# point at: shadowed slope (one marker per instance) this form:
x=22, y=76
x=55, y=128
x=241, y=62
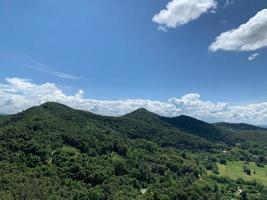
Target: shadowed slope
x=197, y=127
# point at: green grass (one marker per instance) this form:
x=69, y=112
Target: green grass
x=234, y=170
x=70, y=149
x=67, y=149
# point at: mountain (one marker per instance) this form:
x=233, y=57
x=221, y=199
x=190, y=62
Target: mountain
x=144, y=124
x=245, y=132
x=239, y=126
x=142, y=114
x=56, y=152
x=2, y=115
x=263, y=126
x=197, y=127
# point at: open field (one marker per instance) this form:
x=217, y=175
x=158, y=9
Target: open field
x=234, y=170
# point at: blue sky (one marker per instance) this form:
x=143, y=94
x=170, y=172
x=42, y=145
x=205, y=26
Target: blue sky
x=112, y=50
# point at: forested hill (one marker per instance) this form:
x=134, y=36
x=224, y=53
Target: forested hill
x=240, y=126
x=55, y=152
x=197, y=127
x=245, y=132
x=3, y=117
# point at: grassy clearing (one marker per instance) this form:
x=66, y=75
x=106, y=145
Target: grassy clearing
x=234, y=170
x=69, y=149
x=66, y=149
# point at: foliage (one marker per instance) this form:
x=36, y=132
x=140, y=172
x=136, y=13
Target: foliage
x=54, y=152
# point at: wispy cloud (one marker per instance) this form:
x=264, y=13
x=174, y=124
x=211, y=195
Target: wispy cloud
x=36, y=65
x=162, y=28
x=253, y=56
x=64, y=75
x=228, y=3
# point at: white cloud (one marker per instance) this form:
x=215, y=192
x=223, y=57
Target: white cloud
x=180, y=12
x=247, y=37
x=19, y=94
x=63, y=75
x=253, y=56
x=162, y=28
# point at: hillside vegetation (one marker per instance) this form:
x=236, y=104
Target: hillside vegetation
x=55, y=152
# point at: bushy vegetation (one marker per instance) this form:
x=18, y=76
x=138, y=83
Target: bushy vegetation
x=55, y=152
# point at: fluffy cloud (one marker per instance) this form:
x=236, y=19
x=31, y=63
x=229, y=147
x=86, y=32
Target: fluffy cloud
x=19, y=94
x=247, y=37
x=180, y=12
x=253, y=56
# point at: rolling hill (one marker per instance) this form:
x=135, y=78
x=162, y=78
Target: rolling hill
x=240, y=126
x=197, y=127
x=245, y=132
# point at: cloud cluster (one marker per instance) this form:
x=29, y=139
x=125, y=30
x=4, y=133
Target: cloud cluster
x=180, y=12
x=249, y=36
x=19, y=94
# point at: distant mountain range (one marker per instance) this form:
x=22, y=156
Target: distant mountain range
x=263, y=126
x=146, y=123
x=240, y=126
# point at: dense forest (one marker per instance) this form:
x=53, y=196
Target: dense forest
x=55, y=152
